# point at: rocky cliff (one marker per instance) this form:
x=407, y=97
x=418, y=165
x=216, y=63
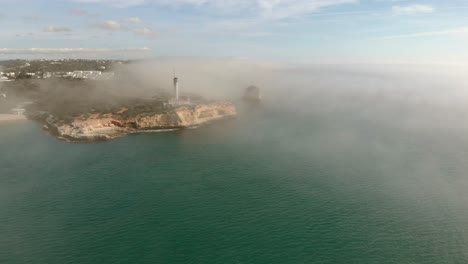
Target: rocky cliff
x=107, y=126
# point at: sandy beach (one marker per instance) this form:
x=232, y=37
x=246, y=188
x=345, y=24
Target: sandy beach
x=9, y=117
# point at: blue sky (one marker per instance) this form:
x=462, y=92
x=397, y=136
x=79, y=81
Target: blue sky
x=292, y=30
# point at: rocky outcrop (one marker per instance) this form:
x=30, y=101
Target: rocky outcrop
x=252, y=94
x=108, y=126
x=90, y=129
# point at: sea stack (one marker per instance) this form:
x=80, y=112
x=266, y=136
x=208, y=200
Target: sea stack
x=252, y=94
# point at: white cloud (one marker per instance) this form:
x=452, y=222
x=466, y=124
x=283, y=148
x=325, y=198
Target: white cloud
x=277, y=9
x=412, y=9
x=450, y=32
x=32, y=18
x=115, y=3
x=81, y=12
x=52, y=29
x=110, y=25
x=134, y=20
x=235, y=24
x=33, y=51
x=145, y=32
x=270, y=9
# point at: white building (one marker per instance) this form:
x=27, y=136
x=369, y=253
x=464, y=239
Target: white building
x=18, y=111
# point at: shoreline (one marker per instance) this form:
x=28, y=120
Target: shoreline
x=107, y=126
x=11, y=117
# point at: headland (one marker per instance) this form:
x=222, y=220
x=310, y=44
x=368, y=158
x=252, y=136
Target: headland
x=87, y=107
x=106, y=126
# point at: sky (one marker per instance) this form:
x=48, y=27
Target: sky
x=285, y=30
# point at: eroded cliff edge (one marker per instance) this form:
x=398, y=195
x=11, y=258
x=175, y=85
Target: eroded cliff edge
x=106, y=126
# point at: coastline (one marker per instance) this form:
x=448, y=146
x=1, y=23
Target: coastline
x=107, y=126
x=11, y=117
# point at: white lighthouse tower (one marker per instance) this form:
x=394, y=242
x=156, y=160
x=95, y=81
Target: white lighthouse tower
x=176, y=100
x=176, y=88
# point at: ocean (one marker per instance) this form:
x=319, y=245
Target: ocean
x=346, y=178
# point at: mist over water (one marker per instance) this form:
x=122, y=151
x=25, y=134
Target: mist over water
x=338, y=164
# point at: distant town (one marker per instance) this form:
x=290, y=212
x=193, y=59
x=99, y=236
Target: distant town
x=66, y=69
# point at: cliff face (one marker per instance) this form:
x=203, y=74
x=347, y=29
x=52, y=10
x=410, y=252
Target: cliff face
x=108, y=126
x=186, y=116
x=89, y=129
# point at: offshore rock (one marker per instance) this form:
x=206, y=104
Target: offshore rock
x=252, y=94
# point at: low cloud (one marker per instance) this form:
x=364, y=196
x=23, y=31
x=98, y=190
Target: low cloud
x=82, y=13
x=134, y=20
x=145, y=32
x=412, y=10
x=110, y=25
x=52, y=29
x=449, y=32
x=32, y=18
x=57, y=51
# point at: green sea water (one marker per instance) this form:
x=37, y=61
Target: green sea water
x=275, y=185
